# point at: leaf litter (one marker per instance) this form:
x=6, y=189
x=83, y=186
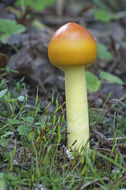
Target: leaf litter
x=107, y=104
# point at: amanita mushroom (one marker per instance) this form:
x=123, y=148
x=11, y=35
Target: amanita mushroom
x=72, y=48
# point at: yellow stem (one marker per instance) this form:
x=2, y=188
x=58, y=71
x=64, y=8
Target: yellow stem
x=76, y=106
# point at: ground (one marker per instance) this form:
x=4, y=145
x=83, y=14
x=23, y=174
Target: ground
x=33, y=148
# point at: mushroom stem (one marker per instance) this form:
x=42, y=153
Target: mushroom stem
x=76, y=106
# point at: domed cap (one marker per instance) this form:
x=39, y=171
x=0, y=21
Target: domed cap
x=72, y=45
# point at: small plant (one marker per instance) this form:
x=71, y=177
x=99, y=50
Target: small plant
x=36, y=5
x=92, y=82
x=104, y=15
x=111, y=78
x=2, y=182
x=102, y=51
x=8, y=28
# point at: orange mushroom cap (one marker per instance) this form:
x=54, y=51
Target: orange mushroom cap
x=72, y=45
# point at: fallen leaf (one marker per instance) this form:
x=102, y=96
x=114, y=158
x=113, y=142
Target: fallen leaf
x=3, y=60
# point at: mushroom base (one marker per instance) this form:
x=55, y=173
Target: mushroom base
x=77, y=107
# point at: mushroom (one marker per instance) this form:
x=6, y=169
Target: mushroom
x=72, y=48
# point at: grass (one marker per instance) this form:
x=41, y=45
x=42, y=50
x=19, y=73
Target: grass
x=32, y=152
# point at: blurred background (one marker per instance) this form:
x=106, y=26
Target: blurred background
x=25, y=30
x=32, y=96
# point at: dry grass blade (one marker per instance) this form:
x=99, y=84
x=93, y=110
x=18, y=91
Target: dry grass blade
x=94, y=182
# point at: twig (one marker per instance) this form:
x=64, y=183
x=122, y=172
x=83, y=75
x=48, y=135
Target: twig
x=3, y=75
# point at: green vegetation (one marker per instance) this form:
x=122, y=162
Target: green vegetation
x=37, y=5
x=33, y=136
x=31, y=146
x=8, y=28
x=92, y=81
x=112, y=78
x=104, y=16
x=102, y=52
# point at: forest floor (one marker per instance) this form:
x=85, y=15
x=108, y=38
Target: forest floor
x=33, y=148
